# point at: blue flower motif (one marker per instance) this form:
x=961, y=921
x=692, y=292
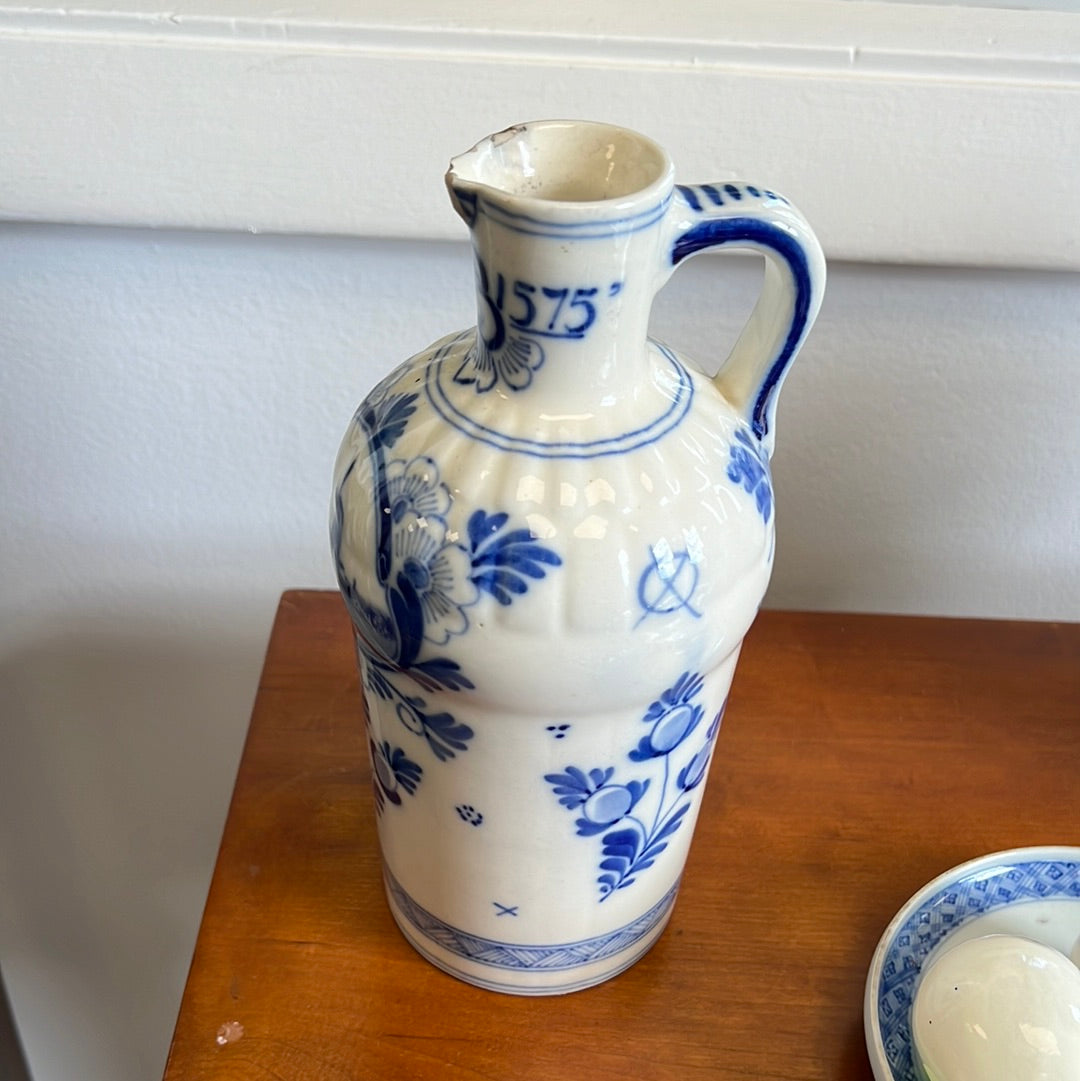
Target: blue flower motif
x=414, y=487
x=437, y=574
x=673, y=717
x=601, y=803
x=512, y=364
x=693, y=773
x=748, y=467
x=424, y=580
x=574, y=786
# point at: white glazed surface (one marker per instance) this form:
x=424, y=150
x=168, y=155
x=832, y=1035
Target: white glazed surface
x=998, y=1008
x=579, y=648
x=552, y=536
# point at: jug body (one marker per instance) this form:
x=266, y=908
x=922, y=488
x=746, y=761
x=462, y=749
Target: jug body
x=551, y=535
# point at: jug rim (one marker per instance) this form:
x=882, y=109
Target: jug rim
x=562, y=170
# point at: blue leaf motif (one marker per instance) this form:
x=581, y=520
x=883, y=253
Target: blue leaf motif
x=378, y=684
x=620, y=853
x=483, y=525
x=387, y=418
x=627, y=855
x=585, y=828
x=446, y=735
x=607, y=884
x=686, y=687
x=393, y=773
x=443, y=734
x=574, y=786
x=748, y=467
x=620, y=850
x=445, y=672
x=502, y=561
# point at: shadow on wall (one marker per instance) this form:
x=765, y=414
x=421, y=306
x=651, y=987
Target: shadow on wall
x=121, y=739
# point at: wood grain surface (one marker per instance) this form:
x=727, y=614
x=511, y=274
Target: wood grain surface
x=860, y=757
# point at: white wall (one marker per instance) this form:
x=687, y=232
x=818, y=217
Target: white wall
x=170, y=404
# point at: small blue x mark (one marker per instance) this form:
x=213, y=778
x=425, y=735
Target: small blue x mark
x=505, y=910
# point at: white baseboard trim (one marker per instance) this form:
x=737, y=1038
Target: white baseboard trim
x=909, y=133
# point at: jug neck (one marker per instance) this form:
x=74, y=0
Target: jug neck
x=566, y=220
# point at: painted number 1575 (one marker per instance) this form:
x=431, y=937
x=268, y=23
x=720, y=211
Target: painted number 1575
x=561, y=313
x=564, y=312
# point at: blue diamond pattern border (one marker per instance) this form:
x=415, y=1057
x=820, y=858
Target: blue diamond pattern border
x=511, y=955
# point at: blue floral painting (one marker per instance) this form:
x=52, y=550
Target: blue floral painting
x=393, y=772
x=429, y=578
x=512, y=365
x=636, y=816
x=749, y=468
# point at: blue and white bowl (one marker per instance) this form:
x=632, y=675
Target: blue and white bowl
x=1030, y=892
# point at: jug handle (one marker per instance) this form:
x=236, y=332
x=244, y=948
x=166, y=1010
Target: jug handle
x=745, y=217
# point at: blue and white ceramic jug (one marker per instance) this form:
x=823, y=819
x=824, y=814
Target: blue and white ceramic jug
x=551, y=534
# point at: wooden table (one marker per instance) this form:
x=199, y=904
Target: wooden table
x=860, y=757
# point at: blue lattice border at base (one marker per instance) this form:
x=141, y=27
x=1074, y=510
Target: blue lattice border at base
x=958, y=901
x=425, y=930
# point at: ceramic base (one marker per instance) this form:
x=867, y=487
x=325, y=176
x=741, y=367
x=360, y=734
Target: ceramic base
x=524, y=969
